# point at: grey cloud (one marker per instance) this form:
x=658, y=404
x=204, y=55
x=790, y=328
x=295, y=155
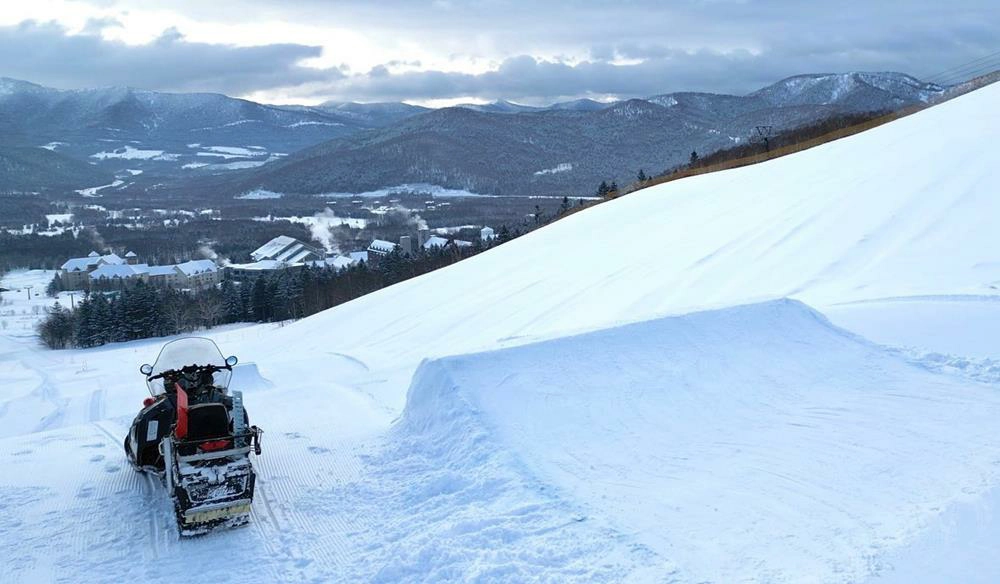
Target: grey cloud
x=44, y=53
x=709, y=45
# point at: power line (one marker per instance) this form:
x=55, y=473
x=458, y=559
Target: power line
x=964, y=65
x=967, y=70
x=966, y=73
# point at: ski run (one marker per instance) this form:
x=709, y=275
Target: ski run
x=786, y=372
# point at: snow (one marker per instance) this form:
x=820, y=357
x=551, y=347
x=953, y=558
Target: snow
x=563, y=167
x=769, y=435
x=232, y=151
x=239, y=165
x=272, y=248
x=259, y=194
x=94, y=191
x=193, y=267
x=553, y=410
x=419, y=188
x=130, y=153
x=435, y=241
x=60, y=217
x=311, y=123
x=228, y=125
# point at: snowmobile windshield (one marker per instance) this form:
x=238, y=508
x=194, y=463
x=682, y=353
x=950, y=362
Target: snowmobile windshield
x=182, y=353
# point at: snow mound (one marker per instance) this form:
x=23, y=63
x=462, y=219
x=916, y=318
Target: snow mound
x=801, y=452
x=247, y=378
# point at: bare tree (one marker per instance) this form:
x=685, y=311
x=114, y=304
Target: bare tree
x=210, y=309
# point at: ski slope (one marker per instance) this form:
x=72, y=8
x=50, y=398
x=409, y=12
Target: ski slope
x=621, y=396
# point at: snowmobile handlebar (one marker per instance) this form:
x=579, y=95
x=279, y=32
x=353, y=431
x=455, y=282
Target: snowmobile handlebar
x=187, y=371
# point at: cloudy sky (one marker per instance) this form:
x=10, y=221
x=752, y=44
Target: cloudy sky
x=439, y=52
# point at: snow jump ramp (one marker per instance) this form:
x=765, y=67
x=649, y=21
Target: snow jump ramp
x=752, y=444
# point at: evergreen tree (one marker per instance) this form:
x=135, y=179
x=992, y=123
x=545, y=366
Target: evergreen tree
x=642, y=176
x=84, y=322
x=694, y=157
x=603, y=189
x=232, y=302
x=262, y=300
x=102, y=319
x=54, y=286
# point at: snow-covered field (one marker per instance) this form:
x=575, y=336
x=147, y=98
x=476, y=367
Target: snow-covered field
x=708, y=400
x=131, y=153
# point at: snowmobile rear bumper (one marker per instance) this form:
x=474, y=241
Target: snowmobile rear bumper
x=212, y=514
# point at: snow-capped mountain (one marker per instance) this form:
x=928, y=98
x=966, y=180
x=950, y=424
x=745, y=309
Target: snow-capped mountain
x=500, y=106
x=500, y=148
x=858, y=91
x=694, y=402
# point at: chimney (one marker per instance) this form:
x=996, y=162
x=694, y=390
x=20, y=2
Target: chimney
x=423, y=234
x=406, y=245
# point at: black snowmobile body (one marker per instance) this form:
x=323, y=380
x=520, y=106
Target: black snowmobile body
x=154, y=423
x=197, y=435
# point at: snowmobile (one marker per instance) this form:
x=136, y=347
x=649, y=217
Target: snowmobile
x=194, y=433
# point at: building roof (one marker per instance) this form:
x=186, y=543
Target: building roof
x=462, y=243
x=382, y=246
x=131, y=254
x=162, y=270
x=285, y=249
x=119, y=271
x=194, y=267
x=435, y=241
x=358, y=256
x=93, y=259
x=338, y=262
x=298, y=254
x=78, y=264
x=272, y=248
x=262, y=265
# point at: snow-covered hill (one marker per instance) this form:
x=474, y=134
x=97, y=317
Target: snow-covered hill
x=703, y=429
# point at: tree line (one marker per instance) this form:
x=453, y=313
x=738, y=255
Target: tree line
x=140, y=310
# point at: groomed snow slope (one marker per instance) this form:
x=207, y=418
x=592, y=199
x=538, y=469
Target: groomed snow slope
x=905, y=209
x=490, y=493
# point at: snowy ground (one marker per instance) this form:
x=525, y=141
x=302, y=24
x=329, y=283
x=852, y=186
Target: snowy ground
x=572, y=406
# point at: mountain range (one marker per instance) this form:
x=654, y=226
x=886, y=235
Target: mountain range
x=118, y=129
x=507, y=149
x=495, y=148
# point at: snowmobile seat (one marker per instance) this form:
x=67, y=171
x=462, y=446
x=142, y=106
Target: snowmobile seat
x=208, y=423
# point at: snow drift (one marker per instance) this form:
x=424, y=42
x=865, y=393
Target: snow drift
x=756, y=443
